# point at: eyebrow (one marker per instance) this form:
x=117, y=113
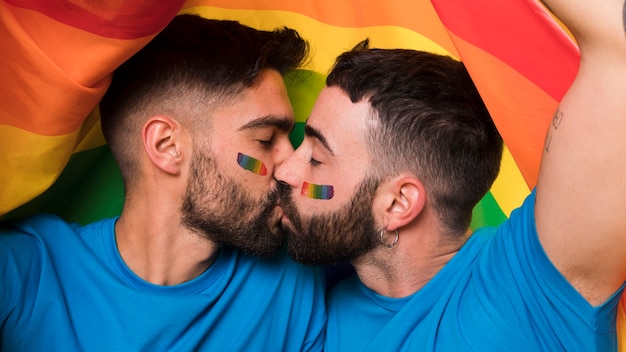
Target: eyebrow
x=283, y=123
x=315, y=133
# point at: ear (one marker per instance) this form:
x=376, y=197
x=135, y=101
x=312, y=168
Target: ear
x=405, y=198
x=161, y=137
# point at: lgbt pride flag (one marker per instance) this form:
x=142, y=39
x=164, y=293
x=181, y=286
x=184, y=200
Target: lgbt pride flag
x=58, y=56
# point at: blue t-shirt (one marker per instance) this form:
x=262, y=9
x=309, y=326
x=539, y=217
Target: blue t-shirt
x=500, y=292
x=65, y=288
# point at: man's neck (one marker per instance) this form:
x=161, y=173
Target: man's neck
x=162, y=252
x=407, y=267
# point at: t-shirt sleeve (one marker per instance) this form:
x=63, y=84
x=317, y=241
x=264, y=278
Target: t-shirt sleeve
x=20, y=265
x=530, y=292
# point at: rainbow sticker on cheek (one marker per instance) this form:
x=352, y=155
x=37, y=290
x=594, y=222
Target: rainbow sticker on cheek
x=251, y=164
x=317, y=191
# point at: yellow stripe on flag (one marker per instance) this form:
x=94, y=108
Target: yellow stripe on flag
x=17, y=152
x=327, y=41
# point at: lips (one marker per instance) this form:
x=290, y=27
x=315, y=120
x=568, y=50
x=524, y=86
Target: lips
x=285, y=220
x=277, y=212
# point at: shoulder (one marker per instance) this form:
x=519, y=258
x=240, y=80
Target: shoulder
x=517, y=233
x=36, y=225
x=30, y=230
x=522, y=218
x=23, y=241
x=45, y=230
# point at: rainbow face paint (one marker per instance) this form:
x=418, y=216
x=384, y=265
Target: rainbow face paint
x=314, y=191
x=251, y=164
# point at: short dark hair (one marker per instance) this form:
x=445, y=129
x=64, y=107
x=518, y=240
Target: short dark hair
x=427, y=118
x=192, y=66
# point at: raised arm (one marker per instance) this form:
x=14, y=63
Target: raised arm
x=581, y=191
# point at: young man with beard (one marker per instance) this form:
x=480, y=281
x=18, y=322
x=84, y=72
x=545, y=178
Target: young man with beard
x=399, y=148
x=197, y=121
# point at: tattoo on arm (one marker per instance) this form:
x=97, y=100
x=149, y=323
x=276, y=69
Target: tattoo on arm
x=556, y=121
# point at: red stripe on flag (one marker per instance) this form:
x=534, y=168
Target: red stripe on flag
x=523, y=36
x=518, y=32
x=121, y=19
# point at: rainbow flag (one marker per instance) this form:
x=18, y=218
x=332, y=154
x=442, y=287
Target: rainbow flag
x=58, y=57
x=55, y=66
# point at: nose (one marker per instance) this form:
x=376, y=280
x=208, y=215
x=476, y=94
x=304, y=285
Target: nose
x=286, y=171
x=283, y=152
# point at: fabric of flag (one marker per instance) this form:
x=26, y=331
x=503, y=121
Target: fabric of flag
x=58, y=57
x=55, y=65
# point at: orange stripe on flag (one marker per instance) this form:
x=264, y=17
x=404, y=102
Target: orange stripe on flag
x=520, y=109
x=46, y=90
x=525, y=37
x=53, y=76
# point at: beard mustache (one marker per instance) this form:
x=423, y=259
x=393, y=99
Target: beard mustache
x=216, y=207
x=335, y=237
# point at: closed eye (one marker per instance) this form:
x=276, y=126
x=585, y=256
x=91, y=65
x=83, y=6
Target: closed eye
x=267, y=143
x=314, y=162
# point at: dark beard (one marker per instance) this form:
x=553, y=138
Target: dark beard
x=215, y=206
x=333, y=237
